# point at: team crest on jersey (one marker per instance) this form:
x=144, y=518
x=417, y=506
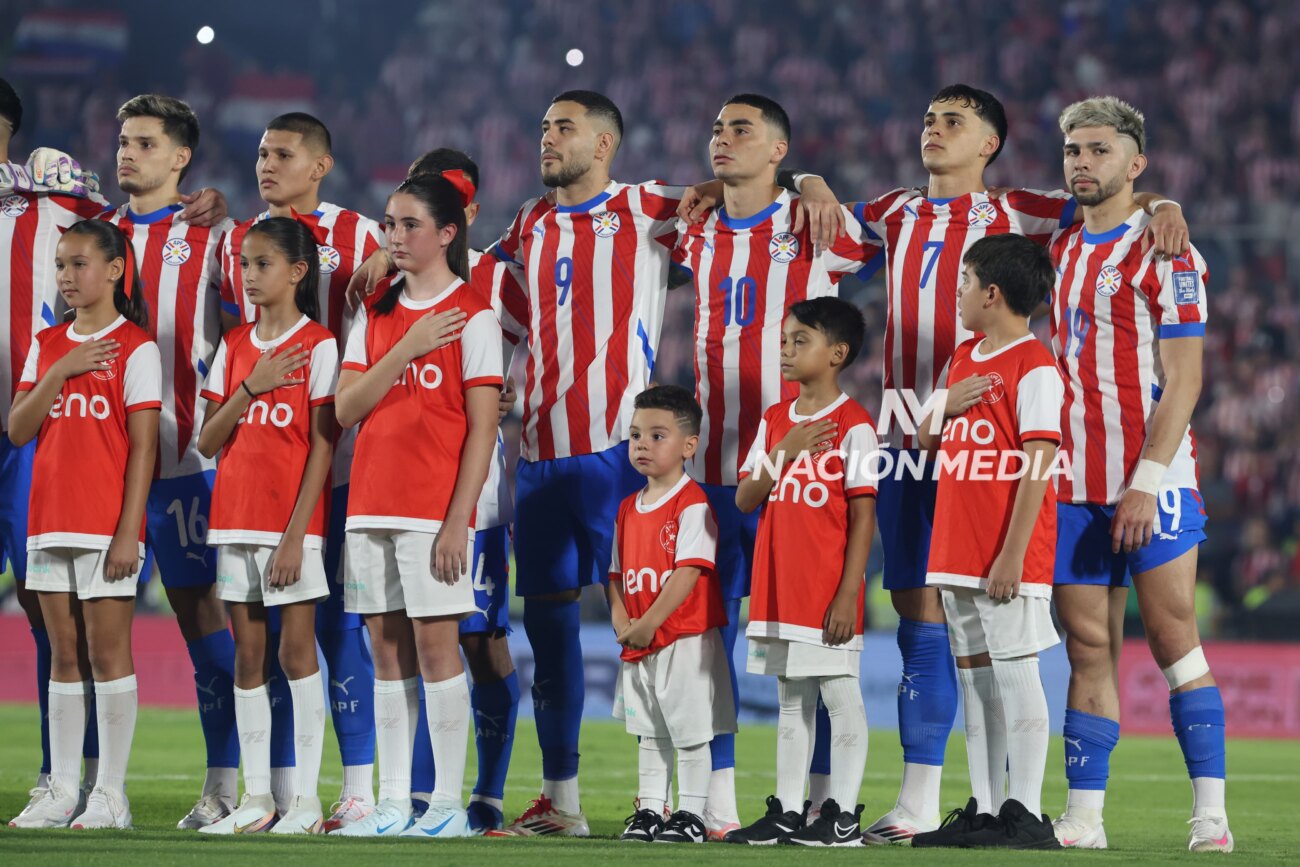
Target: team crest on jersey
x=14, y=206
x=982, y=214
x=668, y=537
x=109, y=372
x=1109, y=279
x=783, y=247
x=329, y=259
x=997, y=389
x=605, y=224
x=176, y=251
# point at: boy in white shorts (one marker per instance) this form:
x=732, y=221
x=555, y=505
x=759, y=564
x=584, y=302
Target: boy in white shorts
x=674, y=690
x=994, y=541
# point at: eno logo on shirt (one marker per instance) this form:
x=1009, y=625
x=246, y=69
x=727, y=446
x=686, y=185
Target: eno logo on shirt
x=647, y=579
x=798, y=488
x=13, y=206
x=425, y=375
x=261, y=412
x=961, y=429
x=74, y=405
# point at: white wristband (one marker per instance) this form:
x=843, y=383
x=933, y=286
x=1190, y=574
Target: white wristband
x=1148, y=476
x=1155, y=206
x=800, y=177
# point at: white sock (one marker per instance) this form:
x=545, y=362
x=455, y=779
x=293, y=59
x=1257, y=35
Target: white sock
x=919, y=793
x=986, y=737
x=253, y=721
x=563, y=794
x=397, y=704
x=1025, y=707
x=67, y=715
x=446, y=705
x=819, y=785
x=116, y=704
x=843, y=699
x=282, y=780
x=91, y=774
x=794, y=738
x=308, y=731
x=1208, y=797
x=654, y=757
x=1087, y=803
x=694, y=768
x=359, y=783
x=722, y=796
x=223, y=782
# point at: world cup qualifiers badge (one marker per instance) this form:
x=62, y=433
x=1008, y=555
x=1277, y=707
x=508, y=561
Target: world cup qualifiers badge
x=329, y=260
x=605, y=224
x=1109, y=279
x=783, y=247
x=176, y=251
x=981, y=214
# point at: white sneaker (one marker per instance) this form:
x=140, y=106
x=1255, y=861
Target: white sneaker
x=441, y=820
x=1080, y=830
x=254, y=814
x=1209, y=834
x=35, y=795
x=209, y=809
x=387, y=819
x=897, y=826
x=52, y=809
x=543, y=819
x=105, y=808
x=718, y=826
x=304, y=817
x=345, y=812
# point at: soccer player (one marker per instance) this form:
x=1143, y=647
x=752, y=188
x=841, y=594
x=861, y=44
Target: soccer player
x=270, y=414
x=1128, y=329
x=810, y=467
x=91, y=389
x=180, y=277
x=674, y=688
x=430, y=414
x=293, y=159
x=995, y=539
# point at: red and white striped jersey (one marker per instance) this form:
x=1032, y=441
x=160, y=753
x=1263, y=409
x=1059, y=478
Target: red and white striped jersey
x=596, y=277
x=1113, y=304
x=747, y=273
x=180, y=275
x=30, y=227
x=925, y=240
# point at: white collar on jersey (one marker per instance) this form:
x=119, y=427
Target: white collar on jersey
x=976, y=355
x=646, y=509
x=82, y=338
x=272, y=344
x=825, y=411
x=411, y=304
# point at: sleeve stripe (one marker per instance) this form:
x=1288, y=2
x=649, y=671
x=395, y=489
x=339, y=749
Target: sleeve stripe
x=1067, y=213
x=212, y=395
x=356, y=366
x=321, y=401
x=498, y=381
x=1051, y=435
x=863, y=491
x=1182, y=329
x=144, y=404
x=695, y=562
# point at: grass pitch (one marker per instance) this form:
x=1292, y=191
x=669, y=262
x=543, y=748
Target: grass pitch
x=1147, y=806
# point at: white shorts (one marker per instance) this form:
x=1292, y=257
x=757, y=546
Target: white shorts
x=243, y=573
x=1004, y=630
x=784, y=658
x=79, y=571
x=682, y=692
x=390, y=570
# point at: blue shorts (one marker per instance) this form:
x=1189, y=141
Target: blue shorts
x=565, y=511
x=905, y=513
x=15, y=496
x=736, y=534
x=1083, y=544
x=176, y=530
x=330, y=616
x=491, y=584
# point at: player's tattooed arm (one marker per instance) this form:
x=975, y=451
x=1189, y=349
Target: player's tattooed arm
x=841, y=621
x=1008, y=566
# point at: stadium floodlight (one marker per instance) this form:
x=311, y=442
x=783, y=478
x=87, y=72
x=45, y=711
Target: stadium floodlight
x=205, y=35
x=573, y=57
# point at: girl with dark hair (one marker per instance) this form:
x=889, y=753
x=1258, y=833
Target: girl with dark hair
x=91, y=388
x=270, y=413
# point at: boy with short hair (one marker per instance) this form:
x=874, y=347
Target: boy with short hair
x=674, y=689
x=993, y=548
x=811, y=465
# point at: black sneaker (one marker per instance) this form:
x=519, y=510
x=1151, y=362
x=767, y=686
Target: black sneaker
x=956, y=826
x=643, y=827
x=683, y=827
x=772, y=827
x=1014, y=828
x=832, y=827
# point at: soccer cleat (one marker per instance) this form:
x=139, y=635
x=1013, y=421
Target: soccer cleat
x=304, y=817
x=718, y=827
x=643, y=826
x=896, y=826
x=774, y=825
x=1209, y=834
x=388, y=819
x=1014, y=828
x=53, y=809
x=105, y=808
x=1080, y=830
x=441, y=820
x=483, y=817
x=955, y=828
x=683, y=827
x=255, y=813
x=832, y=827
x=210, y=808
x=345, y=812
x=542, y=819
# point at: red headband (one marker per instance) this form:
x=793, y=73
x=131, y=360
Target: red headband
x=463, y=185
x=128, y=264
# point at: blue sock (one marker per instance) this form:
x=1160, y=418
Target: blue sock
x=422, y=770
x=277, y=685
x=1198, y=723
x=1089, y=740
x=927, y=696
x=559, y=687
x=214, y=682
x=42, y=639
x=821, y=757
x=722, y=748
x=496, y=705
x=351, y=692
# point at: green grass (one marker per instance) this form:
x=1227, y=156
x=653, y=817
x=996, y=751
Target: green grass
x=1148, y=804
